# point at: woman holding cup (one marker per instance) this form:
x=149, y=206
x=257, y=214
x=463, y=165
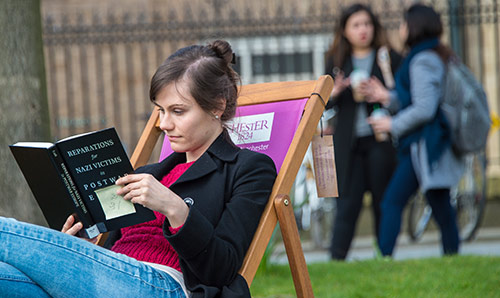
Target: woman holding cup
x=359, y=51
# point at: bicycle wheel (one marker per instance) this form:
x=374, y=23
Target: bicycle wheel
x=419, y=214
x=471, y=196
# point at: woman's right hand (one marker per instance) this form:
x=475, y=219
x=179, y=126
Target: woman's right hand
x=381, y=125
x=341, y=83
x=71, y=227
x=375, y=91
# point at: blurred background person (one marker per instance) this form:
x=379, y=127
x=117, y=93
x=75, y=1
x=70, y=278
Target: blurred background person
x=425, y=156
x=363, y=163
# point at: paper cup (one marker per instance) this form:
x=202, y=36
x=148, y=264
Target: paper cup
x=357, y=77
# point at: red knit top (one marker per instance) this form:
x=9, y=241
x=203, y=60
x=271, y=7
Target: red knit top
x=145, y=241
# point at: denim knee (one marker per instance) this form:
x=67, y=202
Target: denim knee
x=14, y=283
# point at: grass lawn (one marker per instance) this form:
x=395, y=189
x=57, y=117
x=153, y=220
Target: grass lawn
x=457, y=276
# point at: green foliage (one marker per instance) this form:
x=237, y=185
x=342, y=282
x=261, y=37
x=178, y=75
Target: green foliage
x=457, y=276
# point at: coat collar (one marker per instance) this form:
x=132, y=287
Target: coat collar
x=221, y=149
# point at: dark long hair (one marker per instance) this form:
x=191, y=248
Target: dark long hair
x=341, y=49
x=425, y=23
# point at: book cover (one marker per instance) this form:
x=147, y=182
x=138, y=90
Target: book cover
x=48, y=185
x=81, y=171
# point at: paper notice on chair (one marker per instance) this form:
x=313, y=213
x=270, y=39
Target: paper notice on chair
x=325, y=171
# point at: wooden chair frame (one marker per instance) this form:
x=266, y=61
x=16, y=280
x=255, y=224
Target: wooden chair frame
x=279, y=207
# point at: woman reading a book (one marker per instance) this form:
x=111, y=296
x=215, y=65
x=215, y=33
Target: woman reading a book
x=207, y=196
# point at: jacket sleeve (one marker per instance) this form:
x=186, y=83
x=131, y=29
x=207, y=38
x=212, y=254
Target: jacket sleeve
x=215, y=253
x=393, y=104
x=426, y=86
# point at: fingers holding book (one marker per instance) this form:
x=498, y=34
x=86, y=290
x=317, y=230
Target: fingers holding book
x=73, y=227
x=147, y=191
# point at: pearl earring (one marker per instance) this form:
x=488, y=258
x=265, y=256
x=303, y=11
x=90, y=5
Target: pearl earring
x=216, y=116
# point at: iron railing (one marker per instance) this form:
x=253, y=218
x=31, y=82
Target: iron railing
x=99, y=65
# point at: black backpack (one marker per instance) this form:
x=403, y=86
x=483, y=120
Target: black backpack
x=465, y=106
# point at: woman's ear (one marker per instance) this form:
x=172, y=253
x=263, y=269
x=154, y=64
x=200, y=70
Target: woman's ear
x=221, y=109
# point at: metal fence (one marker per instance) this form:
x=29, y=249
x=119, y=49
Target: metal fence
x=99, y=65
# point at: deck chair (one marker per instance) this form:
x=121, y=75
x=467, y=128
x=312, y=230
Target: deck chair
x=314, y=94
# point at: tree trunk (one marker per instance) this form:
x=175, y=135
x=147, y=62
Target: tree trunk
x=23, y=101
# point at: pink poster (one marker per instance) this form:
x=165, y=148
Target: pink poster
x=267, y=128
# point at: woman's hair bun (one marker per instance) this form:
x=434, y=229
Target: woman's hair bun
x=222, y=50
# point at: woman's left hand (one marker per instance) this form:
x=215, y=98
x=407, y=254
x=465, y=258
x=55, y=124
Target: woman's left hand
x=381, y=125
x=72, y=227
x=147, y=191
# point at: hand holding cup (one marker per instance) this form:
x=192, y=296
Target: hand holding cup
x=357, y=77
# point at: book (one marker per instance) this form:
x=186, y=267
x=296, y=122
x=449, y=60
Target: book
x=77, y=175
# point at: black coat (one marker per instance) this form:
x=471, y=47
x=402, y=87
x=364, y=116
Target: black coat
x=344, y=136
x=230, y=188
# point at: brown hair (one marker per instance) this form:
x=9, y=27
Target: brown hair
x=211, y=80
x=341, y=49
x=425, y=23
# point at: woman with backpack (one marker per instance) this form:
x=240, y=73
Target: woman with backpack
x=426, y=159
x=363, y=163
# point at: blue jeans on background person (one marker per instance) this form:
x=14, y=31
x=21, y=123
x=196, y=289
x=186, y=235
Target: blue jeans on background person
x=403, y=184
x=39, y=262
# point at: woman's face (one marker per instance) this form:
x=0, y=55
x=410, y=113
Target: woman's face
x=186, y=125
x=403, y=31
x=359, y=30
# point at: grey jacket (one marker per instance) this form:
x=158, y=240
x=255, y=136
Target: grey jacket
x=427, y=72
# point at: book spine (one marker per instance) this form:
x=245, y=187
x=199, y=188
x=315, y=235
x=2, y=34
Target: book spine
x=81, y=210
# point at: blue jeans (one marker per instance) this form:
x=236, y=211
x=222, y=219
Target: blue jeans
x=402, y=185
x=39, y=262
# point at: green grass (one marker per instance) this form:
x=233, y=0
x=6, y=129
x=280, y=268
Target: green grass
x=457, y=276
